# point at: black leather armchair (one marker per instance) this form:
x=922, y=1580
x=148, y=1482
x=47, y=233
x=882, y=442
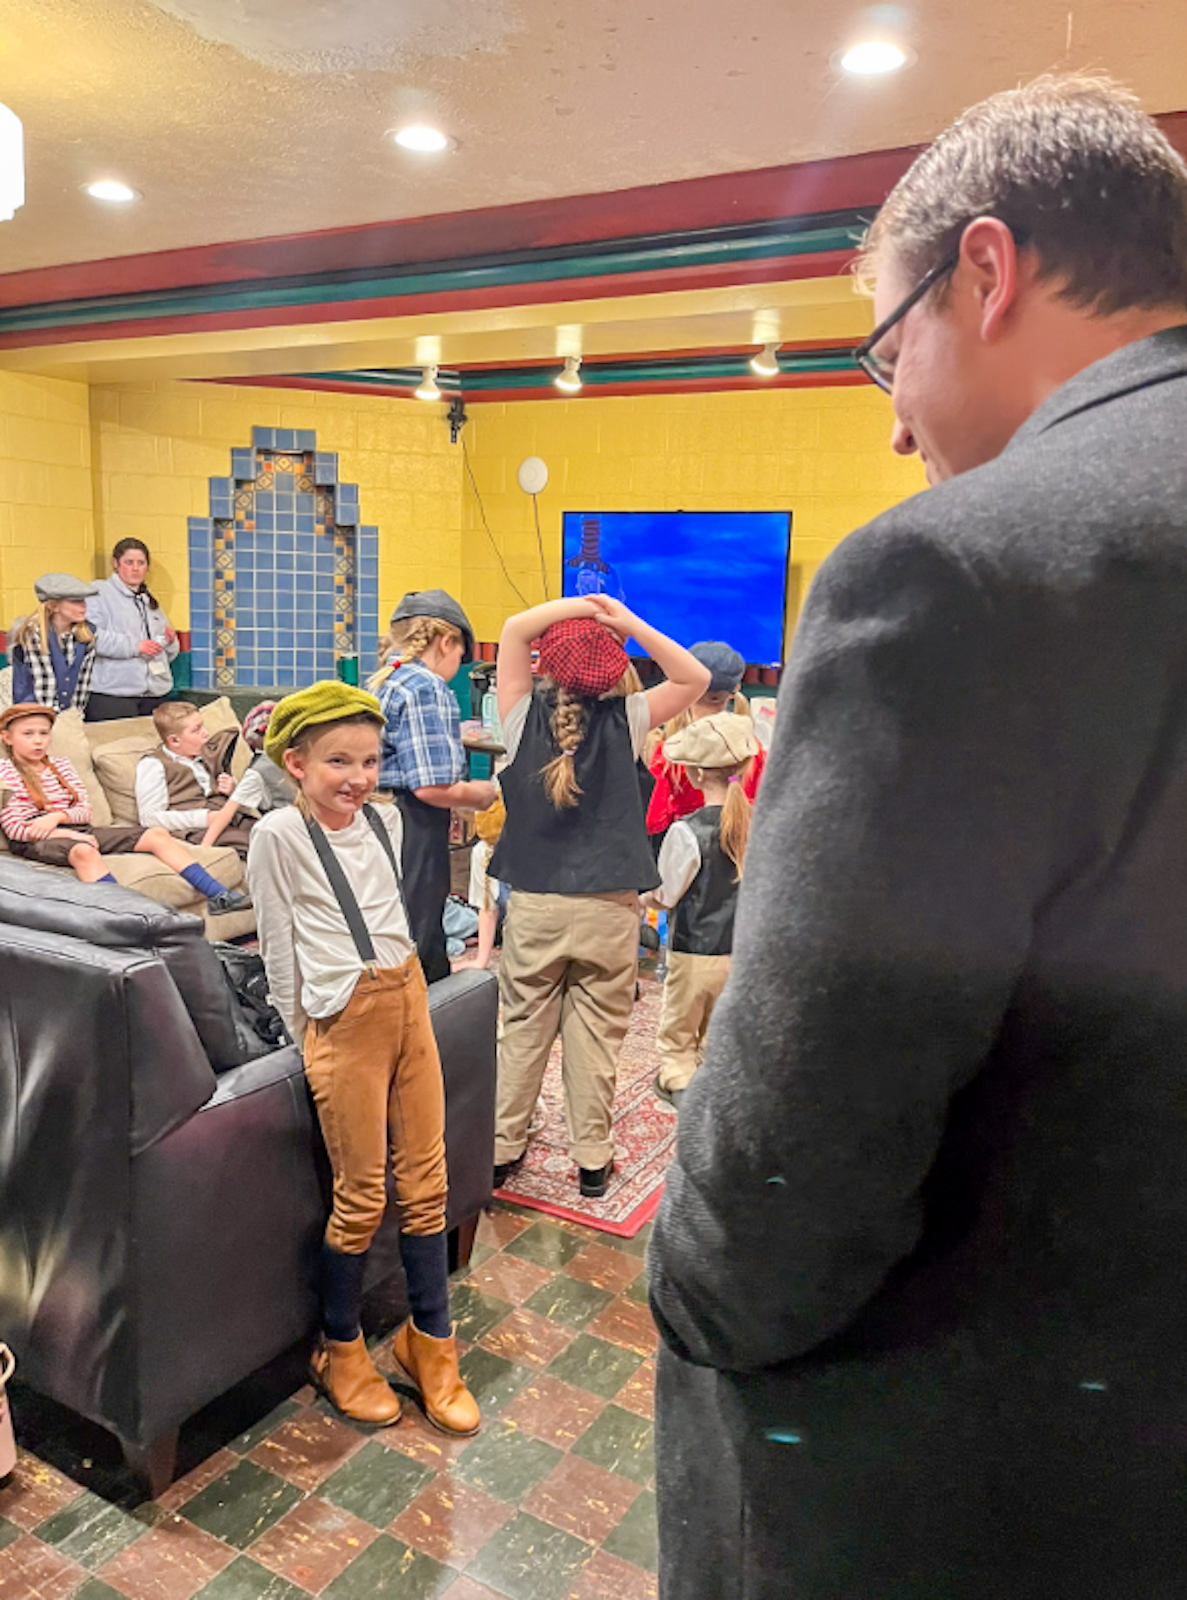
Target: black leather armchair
x=159, y=1221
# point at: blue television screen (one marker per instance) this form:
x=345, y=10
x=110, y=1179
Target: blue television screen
x=691, y=574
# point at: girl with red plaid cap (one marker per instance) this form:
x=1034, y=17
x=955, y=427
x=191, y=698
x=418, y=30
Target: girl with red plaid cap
x=574, y=851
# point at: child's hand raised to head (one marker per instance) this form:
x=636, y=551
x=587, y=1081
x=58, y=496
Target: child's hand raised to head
x=614, y=615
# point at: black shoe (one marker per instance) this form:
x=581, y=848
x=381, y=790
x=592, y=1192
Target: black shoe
x=672, y=1096
x=504, y=1169
x=594, y=1181
x=219, y=905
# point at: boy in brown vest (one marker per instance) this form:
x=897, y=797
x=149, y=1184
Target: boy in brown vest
x=183, y=786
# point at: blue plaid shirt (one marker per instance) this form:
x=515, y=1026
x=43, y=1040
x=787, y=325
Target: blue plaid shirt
x=422, y=742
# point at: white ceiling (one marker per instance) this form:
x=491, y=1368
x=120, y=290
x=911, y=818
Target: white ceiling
x=246, y=118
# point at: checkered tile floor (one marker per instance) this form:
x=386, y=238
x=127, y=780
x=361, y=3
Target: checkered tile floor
x=554, y=1499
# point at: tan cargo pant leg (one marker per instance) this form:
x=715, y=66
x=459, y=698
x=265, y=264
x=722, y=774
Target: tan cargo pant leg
x=378, y=1091
x=595, y=1015
x=692, y=989
x=531, y=987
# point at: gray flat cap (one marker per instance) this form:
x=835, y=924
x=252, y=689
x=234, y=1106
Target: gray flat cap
x=61, y=586
x=723, y=661
x=435, y=603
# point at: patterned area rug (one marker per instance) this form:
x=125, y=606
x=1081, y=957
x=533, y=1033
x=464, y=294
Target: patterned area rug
x=644, y=1138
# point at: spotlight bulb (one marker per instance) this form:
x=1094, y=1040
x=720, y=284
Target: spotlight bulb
x=428, y=384
x=874, y=56
x=110, y=189
x=420, y=137
x=766, y=362
x=570, y=379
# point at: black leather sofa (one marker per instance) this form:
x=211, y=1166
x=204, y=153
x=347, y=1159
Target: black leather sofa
x=159, y=1218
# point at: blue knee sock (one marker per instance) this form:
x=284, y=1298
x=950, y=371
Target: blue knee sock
x=426, y=1266
x=108, y=877
x=341, y=1293
x=203, y=882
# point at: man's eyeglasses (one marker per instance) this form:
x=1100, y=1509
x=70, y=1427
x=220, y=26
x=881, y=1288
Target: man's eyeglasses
x=882, y=372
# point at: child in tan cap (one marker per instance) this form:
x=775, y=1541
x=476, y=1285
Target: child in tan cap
x=700, y=868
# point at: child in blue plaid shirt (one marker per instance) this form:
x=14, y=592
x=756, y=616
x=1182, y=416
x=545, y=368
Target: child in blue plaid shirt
x=423, y=762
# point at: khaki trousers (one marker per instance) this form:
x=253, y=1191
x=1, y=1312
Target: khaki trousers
x=692, y=989
x=376, y=1080
x=569, y=964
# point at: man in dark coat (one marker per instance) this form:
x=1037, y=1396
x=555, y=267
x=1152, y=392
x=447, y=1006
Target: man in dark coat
x=921, y=1266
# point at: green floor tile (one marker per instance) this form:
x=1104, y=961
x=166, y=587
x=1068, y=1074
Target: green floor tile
x=239, y=1506
x=260, y=1430
x=528, y=1560
x=376, y=1484
x=596, y=1365
x=492, y=1379
x=387, y=1569
x=636, y=1537
x=631, y=1247
x=95, y=1589
x=621, y=1442
x=569, y=1301
x=245, y=1579
x=90, y=1530
x=638, y=1290
x=8, y=1532
x=474, y=1312
x=478, y=1254
x=546, y=1246
x=506, y=1462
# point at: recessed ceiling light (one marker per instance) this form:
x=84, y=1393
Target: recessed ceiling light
x=570, y=379
x=872, y=57
x=420, y=137
x=428, y=385
x=110, y=189
x=766, y=362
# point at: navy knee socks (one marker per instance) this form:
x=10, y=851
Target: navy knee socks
x=203, y=882
x=426, y=1266
x=341, y=1293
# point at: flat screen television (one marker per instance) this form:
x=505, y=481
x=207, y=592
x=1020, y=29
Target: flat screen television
x=692, y=574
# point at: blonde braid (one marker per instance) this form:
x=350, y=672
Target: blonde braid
x=409, y=640
x=568, y=729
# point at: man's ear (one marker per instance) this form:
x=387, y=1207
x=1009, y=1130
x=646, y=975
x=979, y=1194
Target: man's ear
x=989, y=254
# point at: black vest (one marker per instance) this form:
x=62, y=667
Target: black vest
x=703, y=922
x=598, y=846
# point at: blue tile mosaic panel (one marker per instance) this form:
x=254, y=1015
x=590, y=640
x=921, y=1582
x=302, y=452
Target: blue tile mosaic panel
x=284, y=583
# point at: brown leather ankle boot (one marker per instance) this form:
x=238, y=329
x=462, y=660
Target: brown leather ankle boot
x=431, y=1364
x=351, y=1382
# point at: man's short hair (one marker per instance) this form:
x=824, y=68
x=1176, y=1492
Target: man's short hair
x=1078, y=171
x=171, y=716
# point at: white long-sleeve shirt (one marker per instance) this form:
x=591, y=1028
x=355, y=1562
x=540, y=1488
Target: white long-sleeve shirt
x=679, y=862
x=152, y=794
x=309, y=955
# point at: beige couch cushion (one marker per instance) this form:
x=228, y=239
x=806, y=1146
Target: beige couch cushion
x=69, y=740
x=169, y=888
x=116, y=749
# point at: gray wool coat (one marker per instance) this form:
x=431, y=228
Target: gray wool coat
x=921, y=1265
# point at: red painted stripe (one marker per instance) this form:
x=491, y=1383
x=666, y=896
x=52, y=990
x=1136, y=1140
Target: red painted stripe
x=784, y=269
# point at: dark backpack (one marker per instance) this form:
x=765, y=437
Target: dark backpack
x=258, y=1024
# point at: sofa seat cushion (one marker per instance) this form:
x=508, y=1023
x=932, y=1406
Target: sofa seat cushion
x=153, y=878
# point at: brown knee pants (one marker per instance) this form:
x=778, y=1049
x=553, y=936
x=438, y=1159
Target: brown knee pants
x=569, y=964
x=376, y=1080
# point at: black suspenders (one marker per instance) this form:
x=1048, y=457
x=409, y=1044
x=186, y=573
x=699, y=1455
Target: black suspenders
x=344, y=894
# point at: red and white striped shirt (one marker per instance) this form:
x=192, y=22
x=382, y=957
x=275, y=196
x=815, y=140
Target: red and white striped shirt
x=20, y=809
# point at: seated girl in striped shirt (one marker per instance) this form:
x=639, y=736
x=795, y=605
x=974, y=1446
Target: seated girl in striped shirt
x=46, y=815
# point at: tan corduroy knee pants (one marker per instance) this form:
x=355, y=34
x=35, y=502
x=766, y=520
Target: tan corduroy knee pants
x=569, y=963
x=692, y=989
x=376, y=1080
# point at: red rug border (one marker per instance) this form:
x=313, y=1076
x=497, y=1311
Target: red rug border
x=627, y=1229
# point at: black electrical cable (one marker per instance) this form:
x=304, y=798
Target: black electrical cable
x=540, y=546
x=486, y=524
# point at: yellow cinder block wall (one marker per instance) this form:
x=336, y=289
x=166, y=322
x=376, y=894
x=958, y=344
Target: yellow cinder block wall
x=823, y=454
x=155, y=447
x=46, y=515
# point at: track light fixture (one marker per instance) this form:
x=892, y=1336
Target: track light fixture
x=766, y=362
x=428, y=384
x=570, y=379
